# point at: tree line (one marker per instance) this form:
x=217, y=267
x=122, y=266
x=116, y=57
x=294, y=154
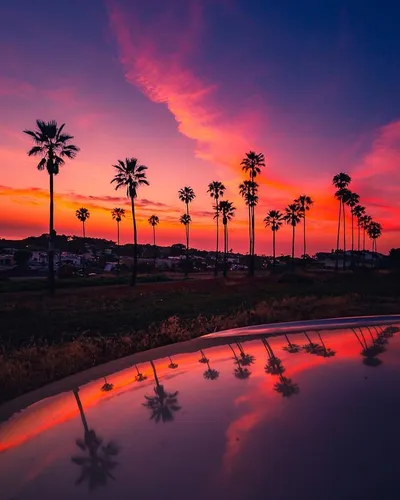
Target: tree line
x=54, y=146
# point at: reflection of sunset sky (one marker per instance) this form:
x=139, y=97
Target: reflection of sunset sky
x=158, y=81
x=228, y=410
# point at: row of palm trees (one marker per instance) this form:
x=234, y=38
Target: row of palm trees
x=365, y=223
x=54, y=146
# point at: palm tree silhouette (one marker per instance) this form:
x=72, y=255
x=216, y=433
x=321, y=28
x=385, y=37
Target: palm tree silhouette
x=304, y=203
x=352, y=201
x=274, y=365
x=227, y=210
x=286, y=387
x=369, y=352
x=53, y=145
x=343, y=195
x=106, y=387
x=248, y=191
x=252, y=164
x=216, y=190
x=311, y=347
x=163, y=404
x=118, y=214
x=153, y=220
x=358, y=212
x=274, y=220
x=97, y=467
x=239, y=372
x=185, y=219
x=245, y=359
x=172, y=365
x=83, y=214
x=186, y=195
x=326, y=352
x=340, y=181
x=131, y=175
x=210, y=373
x=203, y=358
x=291, y=348
x=292, y=217
x=139, y=376
x=374, y=232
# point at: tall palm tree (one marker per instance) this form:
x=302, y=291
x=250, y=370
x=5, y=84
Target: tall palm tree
x=131, y=175
x=352, y=201
x=185, y=219
x=118, y=214
x=292, y=217
x=186, y=195
x=239, y=372
x=252, y=164
x=274, y=220
x=216, y=190
x=83, y=214
x=358, y=211
x=163, y=404
x=153, y=220
x=304, y=202
x=374, y=232
x=340, y=181
x=365, y=222
x=97, y=467
x=249, y=192
x=227, y=210
x=53, y=145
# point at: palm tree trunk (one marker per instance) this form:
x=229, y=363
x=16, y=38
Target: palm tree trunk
x=344, y=237
x=225, y=271
x=82, y=413
x=134, y=267
x=154, y=247
x=293, y=236
x=187, y=250
x=352, y=239
x=155, y=374
x=250, y=241
x=84, y=248
x=273, y=249
x=358, y=235
x=51, y=238
x=253, y=232
x=119, y=257
x=304, y=236
x=216, y=252
x=338, y=236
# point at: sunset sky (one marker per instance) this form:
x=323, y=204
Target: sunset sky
x=188, y=87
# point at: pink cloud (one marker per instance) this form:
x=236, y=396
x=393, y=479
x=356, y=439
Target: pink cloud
x=163, y=76
x=13, y=87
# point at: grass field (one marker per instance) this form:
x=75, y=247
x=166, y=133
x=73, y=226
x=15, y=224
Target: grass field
x=44, y=339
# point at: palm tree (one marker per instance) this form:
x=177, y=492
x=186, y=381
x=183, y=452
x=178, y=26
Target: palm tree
x=340, y=181
x=248, y=190
x=97, y=467
x=239, y=372
x=286, y=387
x=365, y=221
x=352, y=201
x=186, y=195
x=203, y=358
x=163, y=403
x=118, y=214
x=107, y=387
x=216, y=190
x=185, y=219
x=83, y=215
x=274, y=365
x=274, y=220
x=358, y=211
x=53, y=145
x=139, y=377
x=291, y=348
x=252, y=164
x=210, y=373
x=245, y=359
x=304, y=202
x=326, y=352
x=311, y=347
x=227, y=210
x=374, y=232
x=131, y=175
x=292, y=217
x=153, y=220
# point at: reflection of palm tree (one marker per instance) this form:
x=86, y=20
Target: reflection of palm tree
x=245, y=359
x=210, y=373
x=239, y=372
x=139, y=377
x=274, y=364
x=106, y=387
x=172, y=365
x=311, y=347
x=291, y=348
x=326, y=352
x=371, y=352
x=286, y=387
x=97, y=467
x=163, y=404
x=203, y=358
